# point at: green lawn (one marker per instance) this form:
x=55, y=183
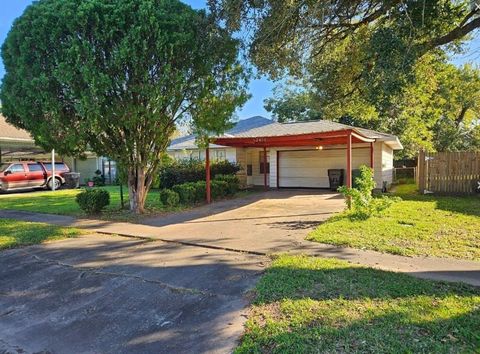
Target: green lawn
x=417, y=225
x=14, y=233
x=63, y=202
x=315, y=305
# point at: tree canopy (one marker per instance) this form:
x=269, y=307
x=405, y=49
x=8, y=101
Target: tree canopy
x=115, y=76
x=440, y=110
x=376, y=64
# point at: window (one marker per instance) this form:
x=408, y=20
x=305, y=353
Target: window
x=35, y=167
x=219, y=154
x=261, y=163
x=4, y=166
x=17, y=168
x=59, y=166
x=249, y=170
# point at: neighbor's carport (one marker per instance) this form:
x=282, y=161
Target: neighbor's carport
x=312, y=141
x=17, y=144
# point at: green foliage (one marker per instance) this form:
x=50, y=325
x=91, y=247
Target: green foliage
x=219, y=189
x=417, y=225
x=169, y=197
x=316, y=305
x=93, y=201
x=376, y=64
x=200, y=191
x=186, y=192
x=183, y=171
x=233, y=183
x=361, y=199
x=115, y=76
x=98, y=179
x=15, y=233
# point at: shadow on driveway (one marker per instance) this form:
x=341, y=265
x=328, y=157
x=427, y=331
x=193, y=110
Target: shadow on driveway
x=112, y=295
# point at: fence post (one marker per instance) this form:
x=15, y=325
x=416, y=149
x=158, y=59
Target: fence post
x=421, y=171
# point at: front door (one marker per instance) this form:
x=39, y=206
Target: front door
x=16, y=176
x=36, y=175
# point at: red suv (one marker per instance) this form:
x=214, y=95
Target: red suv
x=31, y=174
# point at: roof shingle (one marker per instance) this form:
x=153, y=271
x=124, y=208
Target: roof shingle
x=9, y=132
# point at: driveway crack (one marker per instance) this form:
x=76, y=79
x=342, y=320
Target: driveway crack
x=99, y=271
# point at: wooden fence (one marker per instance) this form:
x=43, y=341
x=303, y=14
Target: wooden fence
x=449, y=172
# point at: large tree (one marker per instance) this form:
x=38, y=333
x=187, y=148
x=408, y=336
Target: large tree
x=439, y=110
x=115, y=76
x=374, y=63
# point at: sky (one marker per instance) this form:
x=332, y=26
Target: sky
x=260, y=89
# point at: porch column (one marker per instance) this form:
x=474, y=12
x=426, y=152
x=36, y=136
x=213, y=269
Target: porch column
x=265, y=167
x=371, y=155
x=349, y=160
x=207, y=172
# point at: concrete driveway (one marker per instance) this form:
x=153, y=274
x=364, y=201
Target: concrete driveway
x=111, y=294
x=269, y=222
x=108, y=294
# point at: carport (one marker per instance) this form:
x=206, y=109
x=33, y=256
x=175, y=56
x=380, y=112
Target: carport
x=17, y=144
x=344, y=138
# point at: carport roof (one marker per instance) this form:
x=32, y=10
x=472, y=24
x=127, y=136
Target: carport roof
x=313, y=130
x=260, y=127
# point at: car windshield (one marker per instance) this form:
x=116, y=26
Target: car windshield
x=4, y=166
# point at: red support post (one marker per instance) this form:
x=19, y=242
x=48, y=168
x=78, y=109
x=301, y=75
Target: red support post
x=349, y=161
x=265, y=168
x=207, y=170
x=371, y=155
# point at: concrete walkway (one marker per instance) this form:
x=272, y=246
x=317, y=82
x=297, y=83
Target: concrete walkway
x=266, y=223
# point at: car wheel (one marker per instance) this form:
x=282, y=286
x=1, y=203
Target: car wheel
x=58, y=183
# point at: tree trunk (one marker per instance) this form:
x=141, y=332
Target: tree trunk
x=137, y=189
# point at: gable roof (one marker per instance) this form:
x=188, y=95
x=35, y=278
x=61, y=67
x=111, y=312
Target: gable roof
x=188, y=142
x=257, y=127
x=10, y=133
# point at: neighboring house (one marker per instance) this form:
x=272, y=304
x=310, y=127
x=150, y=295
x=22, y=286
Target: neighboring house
x=17, y=144
x=297, y=155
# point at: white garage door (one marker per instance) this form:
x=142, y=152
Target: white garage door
x=309, y=168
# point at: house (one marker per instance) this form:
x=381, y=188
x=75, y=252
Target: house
x=17, y=144
x=296, y=155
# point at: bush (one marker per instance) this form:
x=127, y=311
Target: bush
x=224, y=168
x=93, y=201
x=98, y=179
x=186, y=192
x=200, y=191
x=169, y=198
x=360, y=199
x=233, y=183
x=219, y=189
x=184, y=171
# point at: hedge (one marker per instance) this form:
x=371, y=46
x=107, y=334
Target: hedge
x=184, y=171
x=169, y=197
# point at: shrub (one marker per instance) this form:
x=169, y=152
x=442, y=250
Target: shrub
x=200, y=191
x=224, y=168
x=186, y=192
x=93, y=201
x=219, y=189
x=360, y=199
x=169, y=198
x=184, y=171
x=98, y=179
x=233, y=183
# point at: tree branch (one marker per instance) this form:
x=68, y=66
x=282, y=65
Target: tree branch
x=456, y=33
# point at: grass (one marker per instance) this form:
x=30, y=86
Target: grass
x=14, y=233
x=416, y=226
x=315, y=305
x=63, y=202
